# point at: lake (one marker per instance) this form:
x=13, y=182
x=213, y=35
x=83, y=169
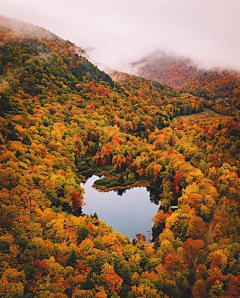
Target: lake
x=129, y=212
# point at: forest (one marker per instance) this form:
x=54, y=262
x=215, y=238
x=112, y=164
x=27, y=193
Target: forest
x=61, y=120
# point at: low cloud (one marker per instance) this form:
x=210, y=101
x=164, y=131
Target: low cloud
x=120, y=31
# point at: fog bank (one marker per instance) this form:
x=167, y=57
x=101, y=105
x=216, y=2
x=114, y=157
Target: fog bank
x=123, y=31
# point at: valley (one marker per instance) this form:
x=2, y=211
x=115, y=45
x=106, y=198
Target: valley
x=63, y=120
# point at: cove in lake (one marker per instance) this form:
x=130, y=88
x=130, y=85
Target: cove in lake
x=130, y=211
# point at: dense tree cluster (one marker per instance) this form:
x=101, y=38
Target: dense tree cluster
x=61, y=118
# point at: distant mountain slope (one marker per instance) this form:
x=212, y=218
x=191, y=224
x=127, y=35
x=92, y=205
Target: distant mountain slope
x=166, y=69
x=182, y=74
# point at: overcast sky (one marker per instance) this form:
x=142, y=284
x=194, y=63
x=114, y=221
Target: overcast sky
x=124, y=30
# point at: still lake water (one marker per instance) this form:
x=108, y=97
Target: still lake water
x=129, y=213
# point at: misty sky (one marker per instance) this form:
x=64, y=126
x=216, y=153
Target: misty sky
x=124, y=30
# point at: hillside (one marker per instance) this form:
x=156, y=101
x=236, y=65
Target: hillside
x=220, y=87
x=62, y=119
x=166, y=69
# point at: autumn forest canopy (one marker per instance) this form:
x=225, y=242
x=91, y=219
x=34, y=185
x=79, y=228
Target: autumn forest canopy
x=61, y=120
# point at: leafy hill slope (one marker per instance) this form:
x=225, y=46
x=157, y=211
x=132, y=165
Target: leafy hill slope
x=221, y=88
x=61, y=117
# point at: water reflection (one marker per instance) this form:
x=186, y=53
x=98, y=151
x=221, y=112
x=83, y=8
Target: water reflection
x=120, y=192
x=154, y=195
x=127, y=211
